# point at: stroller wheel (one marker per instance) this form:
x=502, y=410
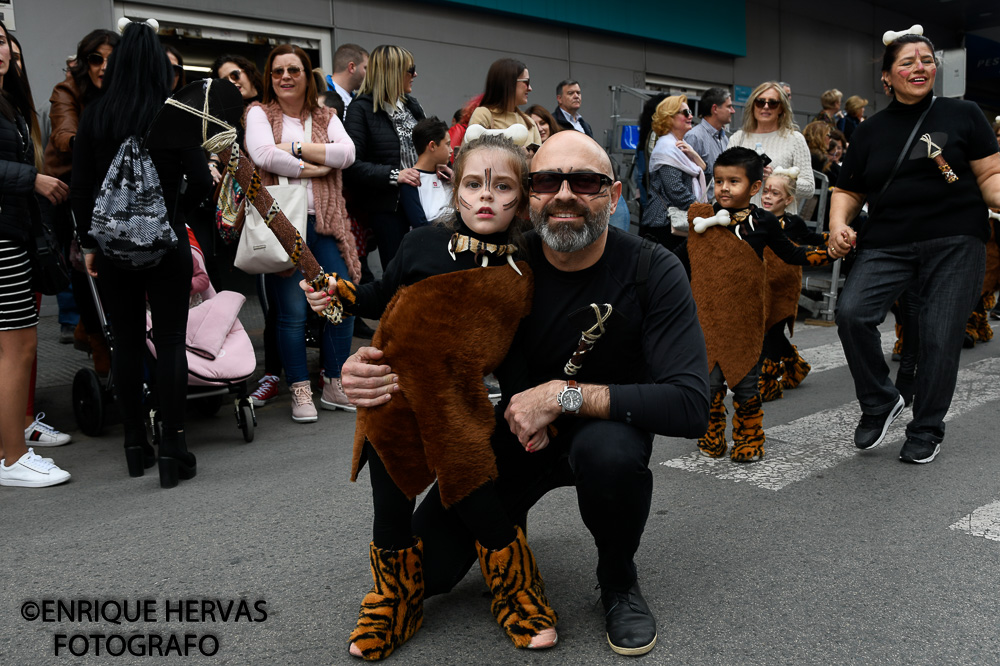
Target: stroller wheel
x=245, y=420
x=88, y=402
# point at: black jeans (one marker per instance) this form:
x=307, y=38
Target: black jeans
x=947, y=275
x=607, y=461
x=168, y=288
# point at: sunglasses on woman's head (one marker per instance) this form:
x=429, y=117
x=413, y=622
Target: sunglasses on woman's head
x=294, y=71
x=769, y=103
x=412, y=71
x=580, y=182
x=687, y=113
x=234, y=75
x=96, y=59
x=526, y=82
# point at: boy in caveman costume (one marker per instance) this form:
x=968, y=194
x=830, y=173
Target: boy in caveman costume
x=728, y=280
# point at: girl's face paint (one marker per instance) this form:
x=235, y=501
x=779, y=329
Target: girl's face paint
x=488, y=192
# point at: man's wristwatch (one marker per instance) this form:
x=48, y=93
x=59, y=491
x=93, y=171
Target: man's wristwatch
x=570, y=398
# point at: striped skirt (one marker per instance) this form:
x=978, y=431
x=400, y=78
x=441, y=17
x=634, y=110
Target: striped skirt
x=17, y=300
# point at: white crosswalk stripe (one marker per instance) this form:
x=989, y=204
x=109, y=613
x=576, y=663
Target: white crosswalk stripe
x=983, y=522
x=831, y=356
x=808, y=445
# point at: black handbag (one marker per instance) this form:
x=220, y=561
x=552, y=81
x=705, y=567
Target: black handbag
x=49, y=270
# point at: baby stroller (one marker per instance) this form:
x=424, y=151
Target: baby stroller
x=220, y=358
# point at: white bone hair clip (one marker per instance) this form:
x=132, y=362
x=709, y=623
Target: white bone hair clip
x=721, y=218
x=889, y=36
x=124, y=21
x=993, y=214
x=516, y=133
x=791, y=172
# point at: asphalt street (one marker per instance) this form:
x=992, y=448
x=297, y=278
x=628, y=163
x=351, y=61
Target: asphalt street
x=818, y=555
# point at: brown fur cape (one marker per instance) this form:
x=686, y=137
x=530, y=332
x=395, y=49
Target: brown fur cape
x=784, y=284
x=728, y=284
x=441, y=336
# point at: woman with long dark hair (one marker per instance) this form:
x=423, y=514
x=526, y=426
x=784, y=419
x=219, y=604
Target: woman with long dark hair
x=80, y=88
x=19, y=182
x=136, y=84
x=380, y=121
x=507, y=86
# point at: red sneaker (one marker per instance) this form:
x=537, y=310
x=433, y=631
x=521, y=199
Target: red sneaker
x=266, y=392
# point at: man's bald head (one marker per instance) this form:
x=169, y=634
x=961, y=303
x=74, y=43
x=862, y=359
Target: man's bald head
x=572, y=151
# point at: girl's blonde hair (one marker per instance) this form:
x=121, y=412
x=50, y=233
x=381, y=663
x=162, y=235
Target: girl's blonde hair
x=785, y=122
x=387, y=65
x=663, y=117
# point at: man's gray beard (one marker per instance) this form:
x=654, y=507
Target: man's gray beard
x=562, y=236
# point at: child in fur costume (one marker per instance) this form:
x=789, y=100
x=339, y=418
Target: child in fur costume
x=729, y=283
x=449, y=304
x=781, y=366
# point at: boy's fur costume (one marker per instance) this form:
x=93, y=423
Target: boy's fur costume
x=441, y=336
x=722, y=300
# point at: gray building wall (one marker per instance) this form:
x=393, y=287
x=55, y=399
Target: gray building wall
x=803, y=43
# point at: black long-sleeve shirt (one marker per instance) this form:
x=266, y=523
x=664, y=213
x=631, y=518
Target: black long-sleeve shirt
x=422, y=254
x=652, y=354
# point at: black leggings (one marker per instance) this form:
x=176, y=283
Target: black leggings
x=776, y=345
x=167, y=287
x=480, y=511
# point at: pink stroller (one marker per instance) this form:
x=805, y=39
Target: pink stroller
x=220, y=358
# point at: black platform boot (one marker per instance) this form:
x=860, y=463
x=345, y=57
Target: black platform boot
x=175, y=461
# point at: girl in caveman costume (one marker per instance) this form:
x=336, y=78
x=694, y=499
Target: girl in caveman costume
x=781, y=366
x=449, y=304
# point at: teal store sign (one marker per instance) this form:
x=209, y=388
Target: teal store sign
x=719, y=27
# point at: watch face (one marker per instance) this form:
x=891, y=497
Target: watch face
x=572, y=400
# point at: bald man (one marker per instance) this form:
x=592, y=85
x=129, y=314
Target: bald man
x=646, y=374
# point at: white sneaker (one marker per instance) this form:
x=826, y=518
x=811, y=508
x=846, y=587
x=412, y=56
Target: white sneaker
x=42, y=434
x=32, y=471
x=303, y=409
x=334, y=397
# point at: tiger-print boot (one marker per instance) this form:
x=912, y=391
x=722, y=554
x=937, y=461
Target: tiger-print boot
x=769, y=383
x=519, y=602
x=748, y=430
x=394, y=608
x=794, y=369
x=897, y=347
x=978, y=325
x=713, y=442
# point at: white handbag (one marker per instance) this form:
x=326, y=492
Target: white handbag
x=259, y=250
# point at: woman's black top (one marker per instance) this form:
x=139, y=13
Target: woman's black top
x=92, y=157
x=919, y=203
x=17, y=178
x=376, y=150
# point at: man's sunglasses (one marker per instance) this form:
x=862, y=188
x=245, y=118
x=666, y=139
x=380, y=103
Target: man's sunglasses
x=769, y=103
x=294, y=71
x=580, y=182
x=96, y=59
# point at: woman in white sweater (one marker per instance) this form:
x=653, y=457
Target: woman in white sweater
x=768, y=129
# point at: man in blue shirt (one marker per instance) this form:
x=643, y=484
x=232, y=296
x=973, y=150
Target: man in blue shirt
x=567, y=113
x=350, y=63
x=709, y=137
